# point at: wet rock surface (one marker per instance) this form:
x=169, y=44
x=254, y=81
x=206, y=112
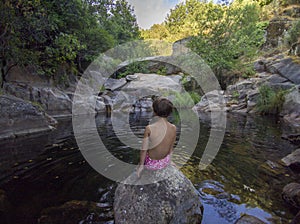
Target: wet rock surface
x=291, y=194
x=172, y=200
x=17, y=114
x=292, y=160
x=248, y=219
x=77, y=212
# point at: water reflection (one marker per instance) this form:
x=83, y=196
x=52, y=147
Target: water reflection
x=245, y=177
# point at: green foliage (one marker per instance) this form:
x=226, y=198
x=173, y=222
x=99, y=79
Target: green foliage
x=236, y=95
x=121, y=22
x=49, y=35
x=270, y=101
x=102, y=89
x=185, y=79
x=134, y=67
x=246, y=70
x=195, y=97
x=37, y=105
x=186, y=99
x=183, y=20
x=157, y=31
x=162, y=71
x=264, y=2
x=226, y=37
x=227, y=34
x=293, y=34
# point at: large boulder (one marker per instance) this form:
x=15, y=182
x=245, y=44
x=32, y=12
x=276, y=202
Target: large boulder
x=145, y=85
x=291, y=107
x=114, y=84
x=18, y=117
x=27, y=75
x=212, y=101
x=53, y=100
x=152, y=83
x=171, y=200
x=291, y=194
x=292, y=160
x=285, y=67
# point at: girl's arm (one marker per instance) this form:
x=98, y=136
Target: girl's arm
x=143, y=151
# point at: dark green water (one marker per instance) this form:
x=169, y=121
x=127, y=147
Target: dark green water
x=243, y=178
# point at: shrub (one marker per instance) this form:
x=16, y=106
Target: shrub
x=162, y=71
x=185, y=100
x=270, y=101
x=134, y=67
x=293, y=34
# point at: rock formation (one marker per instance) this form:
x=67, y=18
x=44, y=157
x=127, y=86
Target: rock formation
x=171, y=200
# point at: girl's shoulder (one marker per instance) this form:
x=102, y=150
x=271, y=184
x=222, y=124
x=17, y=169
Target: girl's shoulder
x=172, y=125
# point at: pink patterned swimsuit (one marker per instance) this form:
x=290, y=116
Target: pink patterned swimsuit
x=152, y=164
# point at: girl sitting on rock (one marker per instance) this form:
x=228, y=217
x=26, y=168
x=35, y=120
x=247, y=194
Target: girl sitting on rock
x=159, y=138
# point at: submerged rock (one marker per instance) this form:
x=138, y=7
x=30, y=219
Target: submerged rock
x=171, y=200
x=292, y=138
x=292, y=160
x=76, y=211
x=249, y=219
x=291, y=194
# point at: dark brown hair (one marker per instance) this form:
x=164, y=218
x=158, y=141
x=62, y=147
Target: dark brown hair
x=162, y=107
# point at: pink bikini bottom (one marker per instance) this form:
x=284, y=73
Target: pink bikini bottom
x=152, y=164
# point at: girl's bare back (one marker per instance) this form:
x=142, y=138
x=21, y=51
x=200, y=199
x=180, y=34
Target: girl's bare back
x=161, y=138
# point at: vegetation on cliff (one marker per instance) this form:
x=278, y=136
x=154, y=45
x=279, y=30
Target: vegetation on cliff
x=61, y=35
x=227, y=37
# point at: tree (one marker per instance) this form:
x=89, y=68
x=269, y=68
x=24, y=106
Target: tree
x=182, y=20
x=157, y=31
x=52, y=34
x=122, y=22
x=228, y=34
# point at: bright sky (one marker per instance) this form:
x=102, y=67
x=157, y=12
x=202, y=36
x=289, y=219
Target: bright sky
x=149, y=12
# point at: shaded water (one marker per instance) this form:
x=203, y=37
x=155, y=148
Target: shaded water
x=48, y=170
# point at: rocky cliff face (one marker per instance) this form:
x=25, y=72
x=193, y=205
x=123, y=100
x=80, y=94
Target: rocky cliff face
x=278, y=73
x=19, y=117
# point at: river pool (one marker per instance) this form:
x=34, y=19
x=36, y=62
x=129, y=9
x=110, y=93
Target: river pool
x=46, y=170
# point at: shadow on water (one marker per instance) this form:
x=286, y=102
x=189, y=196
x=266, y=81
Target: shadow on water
x=48, y=170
